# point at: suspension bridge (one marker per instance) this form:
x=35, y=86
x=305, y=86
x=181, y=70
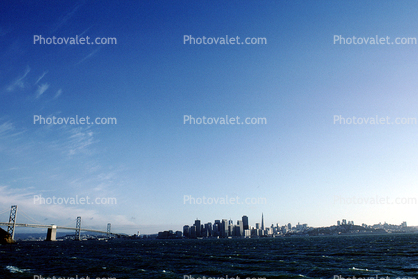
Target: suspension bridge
x=51, y=229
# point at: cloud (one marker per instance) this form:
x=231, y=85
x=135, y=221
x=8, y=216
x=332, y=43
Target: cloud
x=82, y=33
x=79, y=139
x=41, y=89
x=5, y=128
x=88, y=56
x=59, y=92
x=65, y=18
x=68, y=140
x=18, y=83
x=39, y=79
x=30, y=210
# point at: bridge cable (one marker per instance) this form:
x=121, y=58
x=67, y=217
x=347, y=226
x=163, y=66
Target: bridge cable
x=7, y=210
x=70, y=224
x=30, y=218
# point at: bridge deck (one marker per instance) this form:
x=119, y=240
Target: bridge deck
x=58, y=227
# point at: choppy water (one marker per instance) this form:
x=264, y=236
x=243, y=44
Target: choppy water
x=314, y=257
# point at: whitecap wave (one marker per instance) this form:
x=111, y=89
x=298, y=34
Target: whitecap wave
x=13, y=269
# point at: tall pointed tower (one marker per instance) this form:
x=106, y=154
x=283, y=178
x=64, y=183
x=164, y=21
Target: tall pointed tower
x=262, y=221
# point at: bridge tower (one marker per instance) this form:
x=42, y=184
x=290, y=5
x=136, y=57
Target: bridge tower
x=12, y=219
x=77, y=228
x=108, y=229
x=51, y=234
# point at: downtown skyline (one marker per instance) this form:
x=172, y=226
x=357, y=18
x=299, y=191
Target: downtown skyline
x=288, y=86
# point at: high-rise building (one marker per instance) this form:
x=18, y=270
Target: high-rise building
x=245, y=222
x=230, y=229
x=224, y=228
x=262, y=221
x=208, y=228
x=186, y=231
x=193, y=231
x=198, y=228
x=217, y=228
x=240, y=228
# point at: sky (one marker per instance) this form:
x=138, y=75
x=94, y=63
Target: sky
x=302, y=164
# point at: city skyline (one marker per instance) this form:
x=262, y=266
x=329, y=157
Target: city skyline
x=118, y=113
x=224, y=228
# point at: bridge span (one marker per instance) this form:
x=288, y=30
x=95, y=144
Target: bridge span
x=52, y=229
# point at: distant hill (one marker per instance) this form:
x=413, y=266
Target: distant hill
x=344, y=229
x=338, y=230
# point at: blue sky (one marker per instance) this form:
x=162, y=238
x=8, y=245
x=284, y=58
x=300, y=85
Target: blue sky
x=307, y=167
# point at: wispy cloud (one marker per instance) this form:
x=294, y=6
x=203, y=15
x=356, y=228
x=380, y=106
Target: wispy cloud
x=82, y=33
x=10, y=196
x=65, y=18
x=19, y=83
x=59, y=92
x=74, y=140
x=39, y=79
x=88, y=56
x=34, y=212
x=7, y=129
x=41, y=89
x=79, y=140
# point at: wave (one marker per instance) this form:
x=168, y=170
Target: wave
x=13, y=269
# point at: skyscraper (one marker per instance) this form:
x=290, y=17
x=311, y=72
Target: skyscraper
x=198, y=228
x=262, y=222
x=224, y=228
x=208, y=228
x=217, y=228
x=245, y=222
x=240, y=228
x=186, y=231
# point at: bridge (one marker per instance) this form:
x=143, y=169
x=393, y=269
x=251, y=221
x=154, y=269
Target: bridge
x=52, y=229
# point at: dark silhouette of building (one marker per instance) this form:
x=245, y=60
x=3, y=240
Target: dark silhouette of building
x=198, y=228
x=224, y=228
x=245, y=222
